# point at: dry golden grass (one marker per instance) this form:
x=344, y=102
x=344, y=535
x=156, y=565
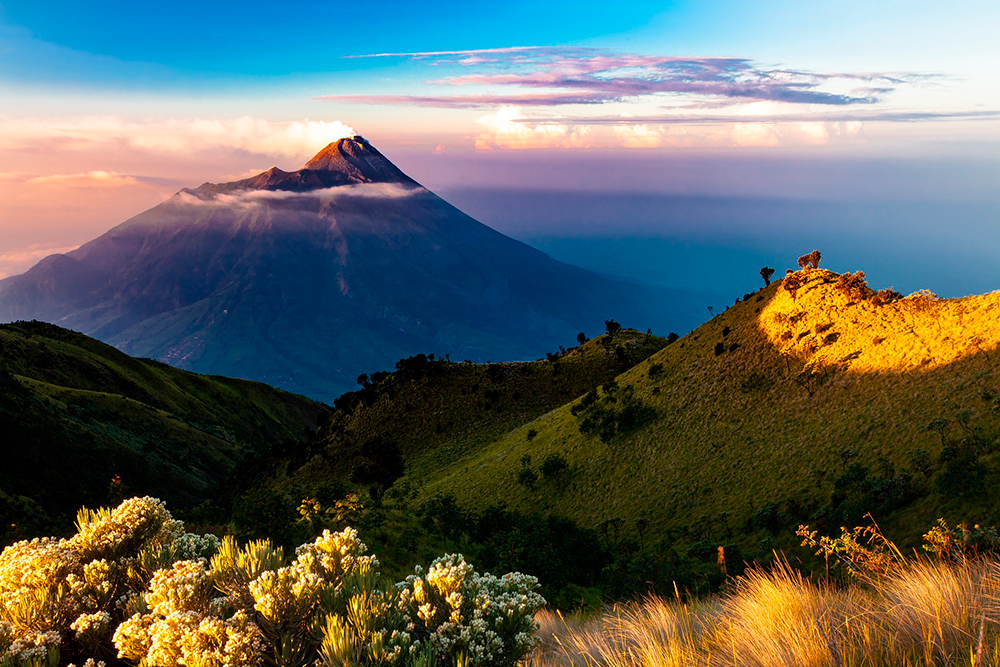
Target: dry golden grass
x=927, y=614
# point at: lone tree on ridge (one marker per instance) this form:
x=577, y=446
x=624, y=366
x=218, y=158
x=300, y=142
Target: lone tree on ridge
x=811, y=260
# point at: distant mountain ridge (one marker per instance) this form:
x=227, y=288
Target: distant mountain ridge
x=305, y=279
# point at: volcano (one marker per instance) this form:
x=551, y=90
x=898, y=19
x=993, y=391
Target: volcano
x=305, y=279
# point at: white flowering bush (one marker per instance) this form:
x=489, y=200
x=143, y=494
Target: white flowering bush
x=63, y=598
x=478, y=618
x=131, y=587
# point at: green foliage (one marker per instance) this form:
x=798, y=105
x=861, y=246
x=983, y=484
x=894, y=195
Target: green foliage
x=961, y=543
x=132, y=585
x=72, y=409
x=767, y=516
x=963, y=474
x=381, y=465
x=554, y=466
x=527, y=477
x=618, y=412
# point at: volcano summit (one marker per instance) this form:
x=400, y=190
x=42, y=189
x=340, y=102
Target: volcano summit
x=305, y=279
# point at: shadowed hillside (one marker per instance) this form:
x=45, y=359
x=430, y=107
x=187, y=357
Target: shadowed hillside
x=75, y=413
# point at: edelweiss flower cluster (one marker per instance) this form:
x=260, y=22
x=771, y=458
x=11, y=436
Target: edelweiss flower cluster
x=191, y=546
x=488, y=619
x=182, y=627
x=136, y=522
x=133, y=576
x=33, y=646
x=91, y=628
x=334, y=555
x=58, y=590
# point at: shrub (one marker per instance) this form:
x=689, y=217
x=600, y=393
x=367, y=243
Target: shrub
x=527, y=477
x=457, y=614
x=767, y=516
x=885, y=296
x=618, y=412
x=853, y=286
x=131, y=581
x=963, y=473
x=553, y=466
x=792, y=282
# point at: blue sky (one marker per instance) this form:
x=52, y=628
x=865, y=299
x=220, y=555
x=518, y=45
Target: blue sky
x=106, y=108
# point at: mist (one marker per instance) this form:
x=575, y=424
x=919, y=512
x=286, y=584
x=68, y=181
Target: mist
x=707, y=251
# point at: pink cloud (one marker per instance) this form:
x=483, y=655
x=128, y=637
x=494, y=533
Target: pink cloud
x=596, y=76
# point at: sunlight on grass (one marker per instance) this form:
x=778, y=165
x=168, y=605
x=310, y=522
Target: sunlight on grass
x=929, y=613
x=841, y=326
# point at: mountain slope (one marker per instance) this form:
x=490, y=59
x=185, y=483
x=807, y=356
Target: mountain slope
x=776, y=400
x=439, y=412
x=75, y=413
x=305, y=279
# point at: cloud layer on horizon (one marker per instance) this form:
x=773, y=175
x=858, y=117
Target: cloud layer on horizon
x=293, y=139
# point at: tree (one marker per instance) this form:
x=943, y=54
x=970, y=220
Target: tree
x=811, y=260
x=612, y=327
x=581, y=338
x=553, y=466
x=766, y=274
x=382, y=464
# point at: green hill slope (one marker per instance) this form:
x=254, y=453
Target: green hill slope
x=75, y=413
x=817, y=399
x=439, y=412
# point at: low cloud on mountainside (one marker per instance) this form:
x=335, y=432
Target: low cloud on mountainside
x=252, y=198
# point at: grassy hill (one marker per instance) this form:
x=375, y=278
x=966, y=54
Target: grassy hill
x=440, y=412
x=812, y=394
x=76, y=413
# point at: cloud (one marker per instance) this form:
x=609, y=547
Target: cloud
x=254, y=198
x=174, y=136
x=475, y=101
x=466, y=55
x=104, y=179
x=503, y=130
x=837, y=117
x=18, y=260
x=639, y=136
x=575, y=75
